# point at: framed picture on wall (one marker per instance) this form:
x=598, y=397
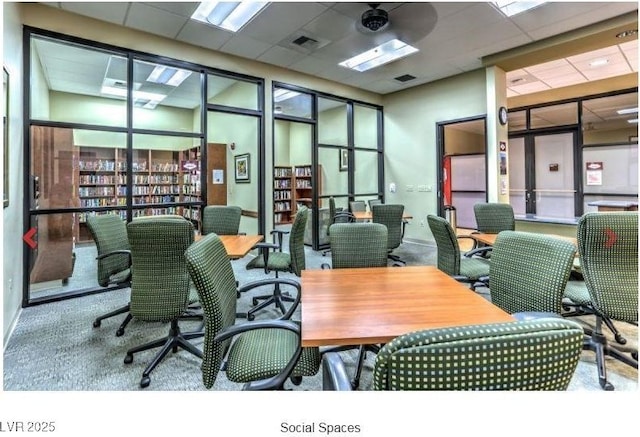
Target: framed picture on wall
x=242, y=168
x=344, y=160
x=5, y=135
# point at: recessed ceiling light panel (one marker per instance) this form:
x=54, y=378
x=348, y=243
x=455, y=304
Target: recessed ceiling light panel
x=230, y=16
x=512, y=7
x=383, y=54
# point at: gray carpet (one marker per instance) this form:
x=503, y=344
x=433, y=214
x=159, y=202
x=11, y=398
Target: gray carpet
x=55, y=347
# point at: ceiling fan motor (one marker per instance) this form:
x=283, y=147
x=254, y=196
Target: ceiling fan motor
x=375, y=18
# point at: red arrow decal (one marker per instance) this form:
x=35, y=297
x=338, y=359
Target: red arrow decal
x=611, y=238
x=28, y=238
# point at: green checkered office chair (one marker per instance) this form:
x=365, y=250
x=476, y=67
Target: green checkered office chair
x=273, y=259
x=608, y=247
x=540, y=354
x=109, y=232
x=372, y=202
x=265, y=353
x=221, y=220
x=390, y=216
x=357, y=206
x=464, y=268
x=529, y=272
x=358, y=245
x=492, y=218
x=160, y=284
x=337, y=215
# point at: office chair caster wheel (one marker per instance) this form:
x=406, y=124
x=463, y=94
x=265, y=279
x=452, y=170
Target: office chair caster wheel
x=296, y=380
x=120, y=332
x=145, y=381
x=96, y=323
x=620, y=339
x=254, y=301
x=634, y=355
x=250, y=317
x=128, y=359
x=606, y=385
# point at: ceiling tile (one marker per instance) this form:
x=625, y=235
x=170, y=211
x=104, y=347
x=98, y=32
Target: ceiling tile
x=565, y=80
x=278, y=20
x=184, y=9
x=244, y=46
x=202, y=35
x=331, y=25
x=280, y=56
x=106, y=11
x=532, y=87
x=310, y=65
x=154, y=20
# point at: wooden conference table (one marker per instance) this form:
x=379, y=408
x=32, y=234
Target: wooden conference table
x=375, y=305
x=237, y=246
x=490, y=239
x=368, y=215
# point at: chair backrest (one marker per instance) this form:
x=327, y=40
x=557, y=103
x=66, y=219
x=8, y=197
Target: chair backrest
x=221, y=219
x=160, y=280
x=447, y=243
x=390, y=216
x=608, y=247
x=109, y=232
x=374, y=202
x=491, y=218
x=212, y=274
x=296, y=240
x=539, y=354
x=529, y=272
x=358, y=245
x=357, y=206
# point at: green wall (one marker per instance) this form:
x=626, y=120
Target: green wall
x=410, y=119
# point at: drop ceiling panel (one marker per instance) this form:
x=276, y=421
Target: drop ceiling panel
x=288, y=20
x=154, y=20
x=611, y=9
x=310, y=65
x=280, y=56
x=202, y=35
x=245, y=46
x=184, y=9
x=105, y=11
x=331, y=25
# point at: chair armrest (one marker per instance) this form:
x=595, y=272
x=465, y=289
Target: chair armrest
x=334, y=373
x=273, y=281
x=264, y=249
x=115, y=252
x=480, y=250
x=279, y=235
x=276, y=381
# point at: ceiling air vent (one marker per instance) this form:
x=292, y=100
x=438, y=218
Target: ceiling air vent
x=306, y=42
x=404, y=78
x=303, y=42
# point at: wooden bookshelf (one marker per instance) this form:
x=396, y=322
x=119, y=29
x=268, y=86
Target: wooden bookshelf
x=158, y=177
x=282, y=195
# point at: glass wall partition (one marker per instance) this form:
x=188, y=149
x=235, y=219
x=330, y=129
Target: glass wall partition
x=233, y=163
x=346, y=154
x=567, y=158
x=610, y=151
x=113, y=131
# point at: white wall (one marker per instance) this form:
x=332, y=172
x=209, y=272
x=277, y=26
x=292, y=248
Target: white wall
x=410, y=119
x=12, y=245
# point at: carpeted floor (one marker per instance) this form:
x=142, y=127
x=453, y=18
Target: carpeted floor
x=55, y=347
